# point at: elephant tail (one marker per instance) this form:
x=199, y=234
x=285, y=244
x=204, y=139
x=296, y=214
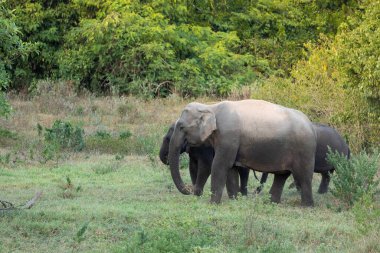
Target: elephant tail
x=348, y=153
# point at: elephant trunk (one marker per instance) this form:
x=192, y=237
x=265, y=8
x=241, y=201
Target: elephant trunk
x=164, y=151
x=174, y=152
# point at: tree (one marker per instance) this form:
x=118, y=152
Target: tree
x=11, y=47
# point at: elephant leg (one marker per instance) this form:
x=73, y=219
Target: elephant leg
x=204, y=171
x=324, y=186
x=232, y=183
x=244, y=175
x=304, y=179
x=278, y=186
x=193, y=169
x=222, y=162
x=264, y=177
x=296, y=185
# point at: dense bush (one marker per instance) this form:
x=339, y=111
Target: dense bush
x=155, y=47
x=134, y=49
x=338, y=82
x=42, y=24
x=11, y=47
x=354, y=178
x=65, y=136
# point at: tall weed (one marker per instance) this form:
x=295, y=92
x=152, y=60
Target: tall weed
x=354, y=178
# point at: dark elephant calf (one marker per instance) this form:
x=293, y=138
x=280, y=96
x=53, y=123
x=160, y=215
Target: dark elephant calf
x=200, y=166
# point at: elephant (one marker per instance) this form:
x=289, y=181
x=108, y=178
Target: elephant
x=200, y=165
x=326, y=137
x=254, y=134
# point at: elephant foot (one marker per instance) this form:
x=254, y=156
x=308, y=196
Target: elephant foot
x=307, y=203
x=244, y=192
x=275, y=198
x=198, y=192
x=322, y=190
x=232, y=196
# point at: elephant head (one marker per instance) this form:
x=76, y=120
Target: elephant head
x=164, y=150
x=196, y=124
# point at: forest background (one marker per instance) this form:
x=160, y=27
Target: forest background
x=320, y=56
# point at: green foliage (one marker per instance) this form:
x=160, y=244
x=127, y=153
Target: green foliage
x=155, y=47
x=355, y=178
x=125, y=134
x=103, y=134
x=11, y=47
x=65, y=136
x=359, y=51
x=43, y=25
x=148, y=55
x=318, y=88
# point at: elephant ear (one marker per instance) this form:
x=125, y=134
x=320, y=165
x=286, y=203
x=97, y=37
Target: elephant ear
x=207, y=124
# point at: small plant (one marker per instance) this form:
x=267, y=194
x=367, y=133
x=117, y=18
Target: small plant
x=69, y=190
x=65, y=136
x=50, y=151
x=79, y=237
x=102, y=134
x=355, y=177
x=119, y=157
x=125, y=134
x=4, y=133
x=40, y=129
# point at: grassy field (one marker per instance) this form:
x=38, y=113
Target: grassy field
x=116, y=196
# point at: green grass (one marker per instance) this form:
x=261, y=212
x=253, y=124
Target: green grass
x=132, y=205
x=116, y=196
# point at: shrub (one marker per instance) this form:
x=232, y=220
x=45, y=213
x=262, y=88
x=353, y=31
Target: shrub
x=354, y=178
x=65, y=136
x=103, y=134
x=149, y=55
x=318, y=88
x=125, y=134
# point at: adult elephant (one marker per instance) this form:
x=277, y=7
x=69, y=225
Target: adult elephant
x=200, y=165
x=326, y=137
x=249, y=133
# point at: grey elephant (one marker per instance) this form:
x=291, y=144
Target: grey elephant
x=200, y=165
x=326, y=137
x=252, y=134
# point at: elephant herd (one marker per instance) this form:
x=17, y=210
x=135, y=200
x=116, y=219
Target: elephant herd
x=228, y=139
